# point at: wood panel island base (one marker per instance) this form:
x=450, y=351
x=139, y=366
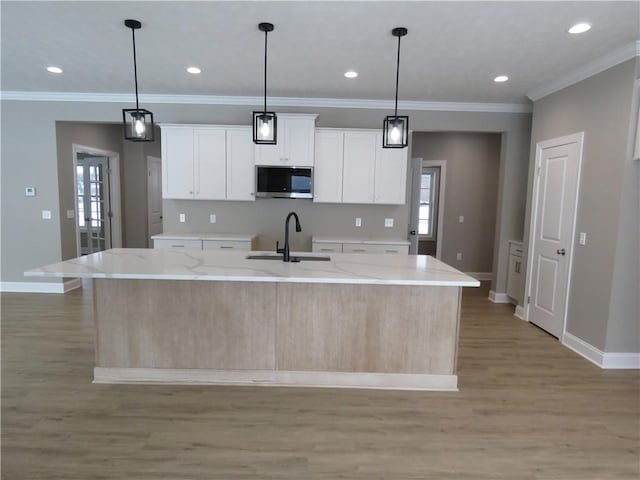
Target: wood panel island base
x=199, y=317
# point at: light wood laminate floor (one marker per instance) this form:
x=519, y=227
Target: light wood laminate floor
x=528, y=408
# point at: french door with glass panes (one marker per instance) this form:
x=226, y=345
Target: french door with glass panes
x=94, y=207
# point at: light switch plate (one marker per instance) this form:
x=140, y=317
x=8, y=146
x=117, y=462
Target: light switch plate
x=459, y=256
x=30, y=191
x=71, y=213
x=583, y=238
x=46, y=214
x=388, y=222
x=461, y=219
x=358, y=222
x=182, y=217
x=212, y=218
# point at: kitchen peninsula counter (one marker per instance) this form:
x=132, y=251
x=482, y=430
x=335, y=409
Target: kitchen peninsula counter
x=190, y=316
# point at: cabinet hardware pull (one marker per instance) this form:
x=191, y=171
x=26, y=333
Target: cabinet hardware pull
x=177, y=246
x=225, y=246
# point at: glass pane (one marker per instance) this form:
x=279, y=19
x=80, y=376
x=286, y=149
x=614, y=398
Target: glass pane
x=423, y=227
x=80, y=212
x=92, y=173
x=94, y=189
x=80, y=180
x=424, y=212
x=425, y=180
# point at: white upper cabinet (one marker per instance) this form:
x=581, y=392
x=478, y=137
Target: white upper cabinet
x=327, y=171
x=295, y=147
x=390, y=174
x=177, y=163
x=359, y=167
x=210, y=163
x=241, y=171
x=204, y=162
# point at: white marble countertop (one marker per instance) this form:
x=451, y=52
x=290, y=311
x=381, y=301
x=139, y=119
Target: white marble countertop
x=240, y=237
x=363, y=240
x=214, y=265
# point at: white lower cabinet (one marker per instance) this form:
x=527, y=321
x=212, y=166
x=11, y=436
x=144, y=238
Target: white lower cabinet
x=326, y=247
x=226, y=245
x=515, y=277
x=205, y=241
x=188, y=244
x=365, y=246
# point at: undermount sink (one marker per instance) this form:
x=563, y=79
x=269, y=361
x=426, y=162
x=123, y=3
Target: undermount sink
x=293, y=258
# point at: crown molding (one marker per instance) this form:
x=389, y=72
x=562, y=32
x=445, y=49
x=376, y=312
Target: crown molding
x=273, y=101
x=592, y=68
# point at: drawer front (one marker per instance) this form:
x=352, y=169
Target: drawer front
x=226, y=245
x=390, y=248
x=515, y=249
x=326, y=247
x=186, y=244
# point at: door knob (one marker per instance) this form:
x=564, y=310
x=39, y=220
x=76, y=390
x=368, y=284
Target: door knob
x=412, y=232
x=561, y=251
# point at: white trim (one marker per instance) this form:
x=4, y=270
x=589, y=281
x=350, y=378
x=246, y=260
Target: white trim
x=480, y=275
x=273, y=101
x=40, y=287
x=273, y=378
x=442, y=185
x=497, y=297
x=519, y=313
x=573, y=138
x=605, y=360
x=592, y=68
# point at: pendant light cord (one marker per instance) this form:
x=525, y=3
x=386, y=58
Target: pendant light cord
x=397, y=76
x=135, y=67
x=265, y=72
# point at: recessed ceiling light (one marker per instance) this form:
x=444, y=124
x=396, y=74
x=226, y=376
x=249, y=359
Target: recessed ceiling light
x=53, y=69
x=351, y=74
x=193, y=70
x=501, y=78
x=580, y=28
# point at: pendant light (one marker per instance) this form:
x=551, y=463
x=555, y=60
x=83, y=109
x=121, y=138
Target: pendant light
x=265, y=123
x=137, y=122
x=395, y=131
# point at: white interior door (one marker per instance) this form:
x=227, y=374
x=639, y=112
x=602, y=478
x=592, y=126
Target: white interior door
x=154, y=197
x=553, y=221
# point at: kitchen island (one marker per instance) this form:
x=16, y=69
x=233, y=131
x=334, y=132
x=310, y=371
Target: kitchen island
x=192, y=316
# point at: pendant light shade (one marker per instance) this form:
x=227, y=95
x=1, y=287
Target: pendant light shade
x=137, y=122
x=265, y=124
x=395, y=129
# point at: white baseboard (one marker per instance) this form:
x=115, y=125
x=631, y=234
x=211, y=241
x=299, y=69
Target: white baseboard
x=40, y=287
x=519, y=312
x=204, y=376
x=499, y=297
x=480, y=275
x=605, y=360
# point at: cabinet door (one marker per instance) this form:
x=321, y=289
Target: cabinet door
x=241, y=170
x=210, y=165
x=299, y=141
x=390, y=174
x=177, y=163
x=359, y=164
x=327, y=171
x=272, y=154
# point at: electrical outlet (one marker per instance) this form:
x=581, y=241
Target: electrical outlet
x=212, y=218
x=461, y=219
x=182, y=217
x=46, y=214
x=388, y=222
x=458, y=256
x=30, y=191
x=358, y=222
x=583, y=238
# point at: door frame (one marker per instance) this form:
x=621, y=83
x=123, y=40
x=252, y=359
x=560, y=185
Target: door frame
x=540, y=146
x=442, y=183
x=114, y=192
x=150, y=159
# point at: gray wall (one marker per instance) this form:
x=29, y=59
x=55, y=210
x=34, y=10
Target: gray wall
x=29, y=158
x=473, y=163
x=105, y=137
x=600, y=107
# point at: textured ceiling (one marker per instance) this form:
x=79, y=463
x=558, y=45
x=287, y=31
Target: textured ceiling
x=452, y=52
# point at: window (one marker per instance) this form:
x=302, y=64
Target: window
x=428, y=201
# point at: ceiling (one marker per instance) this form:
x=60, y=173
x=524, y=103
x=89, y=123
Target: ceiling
x=452, y=52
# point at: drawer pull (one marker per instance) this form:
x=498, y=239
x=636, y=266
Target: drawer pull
x=391, y=251
x=359, y=250
x=326, y=249
x=177, y=246
x=225, y=246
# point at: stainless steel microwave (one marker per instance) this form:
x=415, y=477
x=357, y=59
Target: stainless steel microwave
x=284, y=182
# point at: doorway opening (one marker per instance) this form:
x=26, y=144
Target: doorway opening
x=97, y=200
x=427, y=206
